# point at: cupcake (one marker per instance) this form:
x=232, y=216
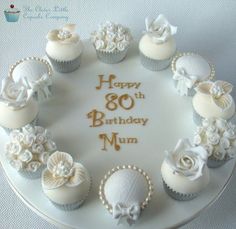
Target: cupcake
x=66, y=183
x=189, y=69
x=125, y=191
x=17, y=107
x=64, y=49
x=218, y=137
x=12, y=14
x=111, y=42
x=213, y=100
x=28, y=150
x=184, y=171
x=36, y=74
x=157, y=46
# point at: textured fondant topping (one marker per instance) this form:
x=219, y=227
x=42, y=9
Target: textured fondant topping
x=218, y=137
x=159, y=29
x=187, y=160
x=111, y=37
x=14, y=94
x=29, y=148
x=62, y=170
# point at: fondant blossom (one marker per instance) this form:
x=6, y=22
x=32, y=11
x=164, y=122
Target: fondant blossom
x=184, y=81
x=187, y=160
x=111, y=37
x=218, y=137
x=29, y=148
x=14, y=94
x=219, y=92
x=65, y=35
x=159, y=29
x=61, y=170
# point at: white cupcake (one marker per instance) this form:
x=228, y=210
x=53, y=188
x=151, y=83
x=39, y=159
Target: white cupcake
x=157, y=46
x=213, y=100
x=125, y=191
x=218, y=137
x=66, y=183
x=189, y=69
x=29, y=149
x=17, y=107
x=36, y=74
x=64, y=49
x=184, y=171
x=111, y=42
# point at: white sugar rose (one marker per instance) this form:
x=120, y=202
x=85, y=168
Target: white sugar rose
x=213, y=138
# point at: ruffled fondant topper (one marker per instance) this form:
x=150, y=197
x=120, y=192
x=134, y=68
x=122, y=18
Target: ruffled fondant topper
x=14, y=94
x=111, y=37
x=62, y=170
x=219, y=92
x=159, y=29
x=187, y=160
x=65, y=35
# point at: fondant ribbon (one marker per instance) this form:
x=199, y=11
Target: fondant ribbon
x=131, y=213
x=185, y=81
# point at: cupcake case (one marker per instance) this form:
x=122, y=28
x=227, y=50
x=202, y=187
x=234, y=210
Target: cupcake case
x=75, y=96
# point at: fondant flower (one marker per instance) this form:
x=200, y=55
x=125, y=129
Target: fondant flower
x=14, y=94
x=29, y=148
x=219, y=92
x=65, y=35
x=159, y=29
x=61, y=170
x=186, y=159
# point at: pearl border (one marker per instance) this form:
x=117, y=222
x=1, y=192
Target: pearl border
x=12, y=68
x=177, y=56
x=115, y=169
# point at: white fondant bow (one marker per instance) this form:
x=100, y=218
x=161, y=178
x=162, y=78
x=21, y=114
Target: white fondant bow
x=130, y=214
x=40, y=86
x=185, y=81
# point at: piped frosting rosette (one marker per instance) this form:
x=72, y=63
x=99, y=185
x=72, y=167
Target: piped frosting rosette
x=159, y=29
x=29, y=149
x=218, y=137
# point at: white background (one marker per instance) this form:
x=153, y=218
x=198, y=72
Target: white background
x=205, y=26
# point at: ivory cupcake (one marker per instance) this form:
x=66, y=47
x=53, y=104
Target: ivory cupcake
x=64, y=49
x=125, y=191
x=29, y=149
x=36, y=74
x=184, y=171
x=218, y=137
x=213, y=100
x=157, y=46
x=66, y=183
x=111, y=42
x=17, y=107
x=189, y=69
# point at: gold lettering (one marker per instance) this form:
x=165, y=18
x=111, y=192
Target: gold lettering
x=109, y=81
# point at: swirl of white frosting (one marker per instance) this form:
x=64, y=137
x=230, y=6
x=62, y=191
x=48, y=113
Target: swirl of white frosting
x=187, y=160
x=111, y=37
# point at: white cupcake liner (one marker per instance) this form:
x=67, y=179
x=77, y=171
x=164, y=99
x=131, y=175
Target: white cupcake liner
x=212, y=162
x=34, y=123
x=32, y=175
x=112, y=57
x=154, y=65
x=177, y=195
x=191, y=91
x=65, y=66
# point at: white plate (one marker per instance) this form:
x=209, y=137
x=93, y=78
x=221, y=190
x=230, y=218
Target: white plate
x=65, y=115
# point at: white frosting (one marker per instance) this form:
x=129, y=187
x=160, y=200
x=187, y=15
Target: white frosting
x=213, y=100
x=218, y=137
x=111, y=37
x=13, y=119
x=159, y=29
x=64, y=44
x=157, y=51
x=29, y=148
x=65, y=181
